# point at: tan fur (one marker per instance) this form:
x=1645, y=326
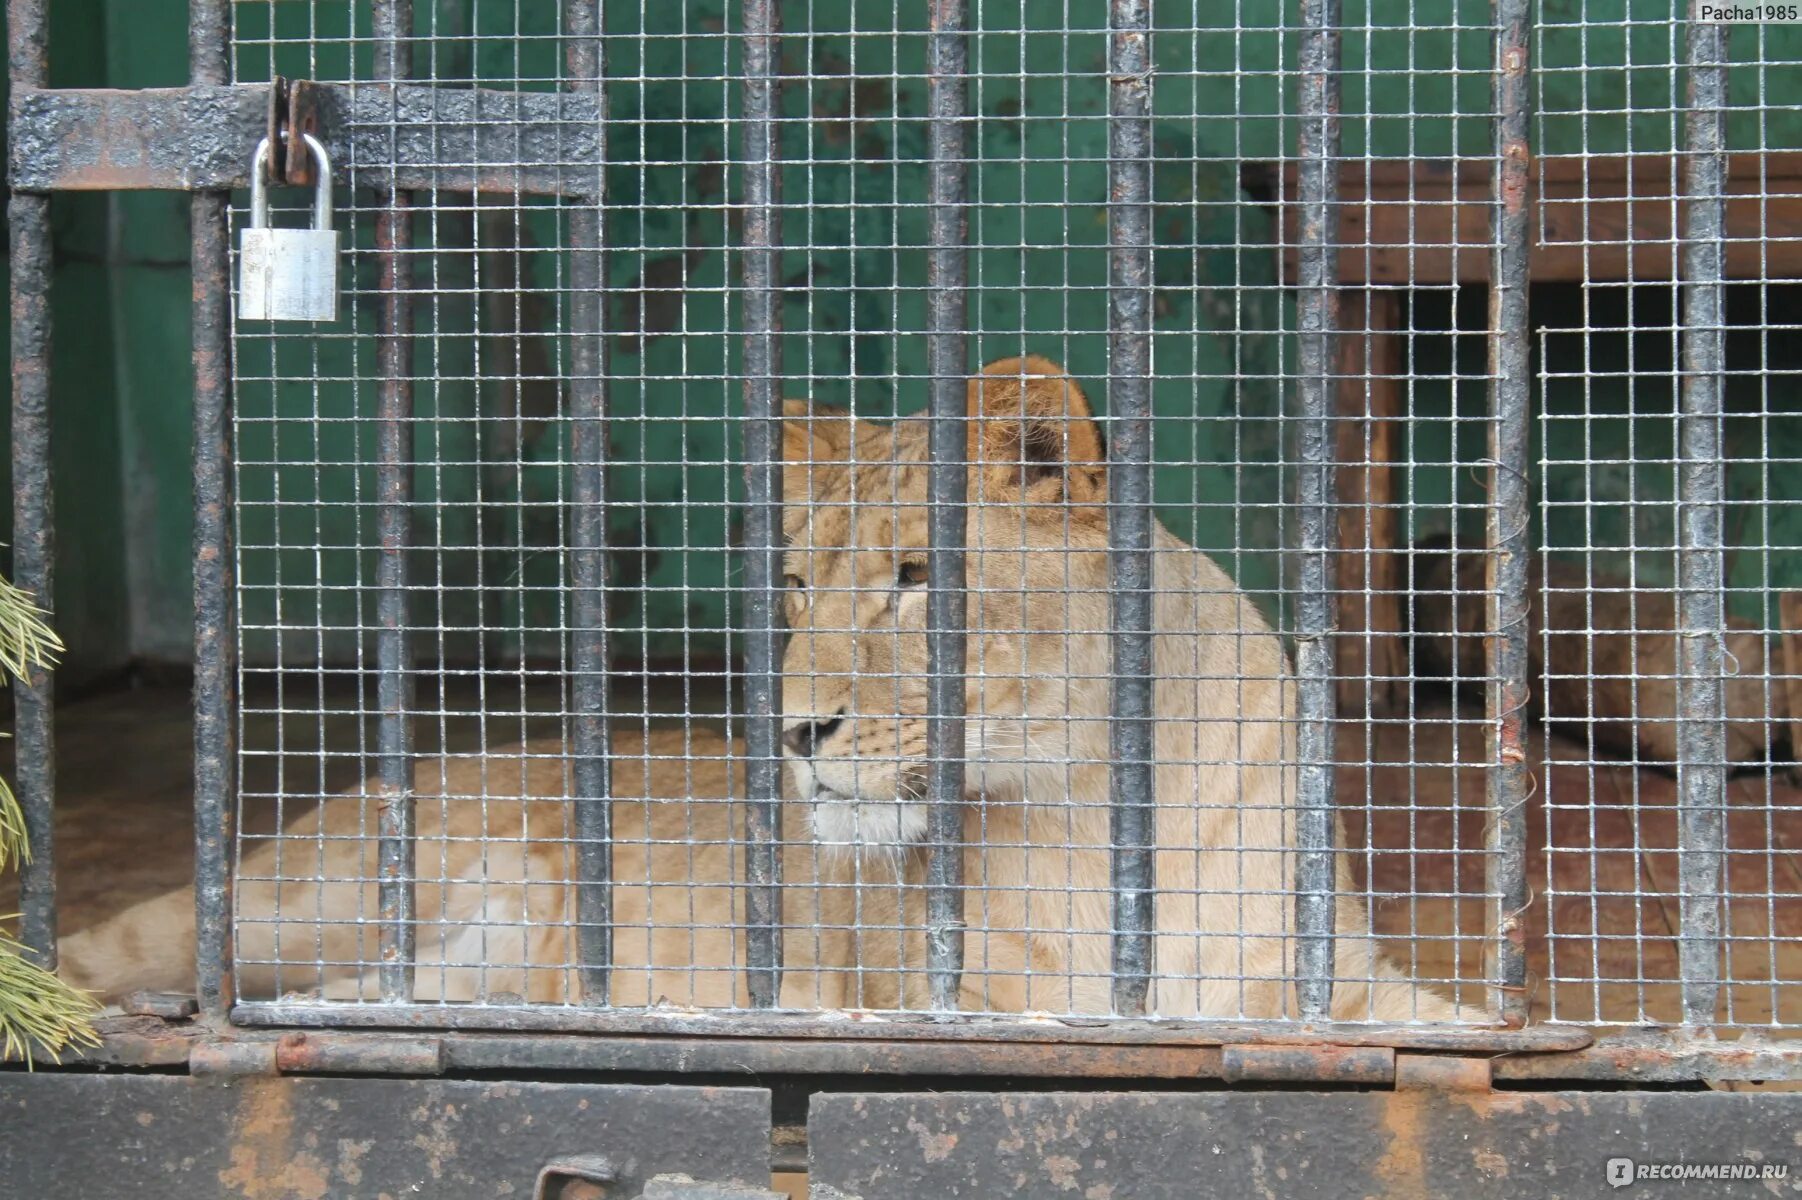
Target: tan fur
x=1613, y=651
x=1036, y=823
x=493, y=901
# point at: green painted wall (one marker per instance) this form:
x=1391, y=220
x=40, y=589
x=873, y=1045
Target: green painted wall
x=491, y=516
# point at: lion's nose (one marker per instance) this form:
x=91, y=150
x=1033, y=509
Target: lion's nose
x=804, y=738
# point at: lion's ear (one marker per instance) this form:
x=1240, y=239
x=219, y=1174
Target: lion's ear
x=812, y=435
x=814, y=432
x=1034, y=436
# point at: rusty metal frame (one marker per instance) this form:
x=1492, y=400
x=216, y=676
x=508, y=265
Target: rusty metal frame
x=199, y=139
x=1006, y=1030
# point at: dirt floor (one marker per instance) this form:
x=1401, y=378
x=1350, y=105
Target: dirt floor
x=1601, y=924
x=1604, y=912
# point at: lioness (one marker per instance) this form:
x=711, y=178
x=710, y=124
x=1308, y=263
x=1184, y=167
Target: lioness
x=494, y=900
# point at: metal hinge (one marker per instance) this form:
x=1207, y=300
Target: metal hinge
x=1366, y=1066
x=1442, y=1072
x=293, y=111
x=319, y=1054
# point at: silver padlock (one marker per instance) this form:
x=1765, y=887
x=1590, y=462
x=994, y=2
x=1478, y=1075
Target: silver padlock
x=289, y=274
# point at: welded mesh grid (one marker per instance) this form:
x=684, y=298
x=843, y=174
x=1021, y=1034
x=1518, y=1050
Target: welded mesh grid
x=1629, y=489
x=492, y=633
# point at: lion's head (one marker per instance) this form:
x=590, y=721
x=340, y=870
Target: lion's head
x=855, y=672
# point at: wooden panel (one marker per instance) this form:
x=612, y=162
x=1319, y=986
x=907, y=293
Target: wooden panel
x=1602, y=860
x=1605, y=219
x=1790, y=612
x=1368, y=411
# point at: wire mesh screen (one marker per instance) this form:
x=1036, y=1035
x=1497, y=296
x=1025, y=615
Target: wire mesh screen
x=1669, y=524
x=1024, y=509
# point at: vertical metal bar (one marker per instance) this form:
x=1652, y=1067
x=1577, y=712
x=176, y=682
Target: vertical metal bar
x=591, y=730
x=1319, y=271
x=392, y=25
x=215, y=641
x=1701, y=616
x=947, y=356
x=1505, y=832
x=1129, y=497
x=763, y=499
x=33, y=541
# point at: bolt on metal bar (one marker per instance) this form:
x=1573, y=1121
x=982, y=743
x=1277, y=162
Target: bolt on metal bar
x=763, y=498
x=1701, y=615
x=33, y=540
x=947, y=355
x=1509, y=777
x=1130, y=796
x=392, y=23
x=1318, y=270
x=591, y=732
x=215, y=641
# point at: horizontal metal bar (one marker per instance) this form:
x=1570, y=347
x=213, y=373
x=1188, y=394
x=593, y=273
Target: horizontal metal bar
x=389, y=136
x=1662, y=1056
x=332, y=1054
x=1647, y=1057
x=669, y=1023
x=1364, y=1066
x=141, y=1042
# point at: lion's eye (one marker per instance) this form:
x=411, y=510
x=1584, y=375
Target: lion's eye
x=912, y=574
x=794, y=582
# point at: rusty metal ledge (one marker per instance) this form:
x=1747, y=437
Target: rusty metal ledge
x=383, y=136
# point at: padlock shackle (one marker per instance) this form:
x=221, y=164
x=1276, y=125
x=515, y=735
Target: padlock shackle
x=259, y=187
x=322, y=186
x=322, y=182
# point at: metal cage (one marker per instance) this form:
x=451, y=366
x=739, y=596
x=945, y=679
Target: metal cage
x=1303, y=655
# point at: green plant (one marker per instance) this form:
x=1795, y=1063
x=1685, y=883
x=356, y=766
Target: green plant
x=39, y=1013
